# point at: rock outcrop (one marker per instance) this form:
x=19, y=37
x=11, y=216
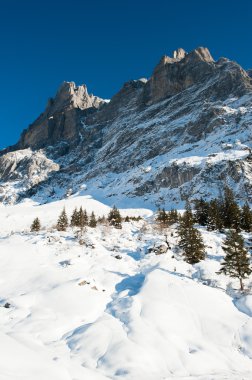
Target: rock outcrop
x=61, y=119
x=25, y=170
x=174, y=75
x=179, y=54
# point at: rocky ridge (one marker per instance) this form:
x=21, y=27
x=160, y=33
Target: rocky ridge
x=61, y=119
x=186, y=131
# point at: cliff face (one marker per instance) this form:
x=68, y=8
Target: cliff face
x=159, y=140
x=61, y=118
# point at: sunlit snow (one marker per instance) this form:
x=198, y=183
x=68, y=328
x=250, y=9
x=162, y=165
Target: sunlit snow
x=77, y=312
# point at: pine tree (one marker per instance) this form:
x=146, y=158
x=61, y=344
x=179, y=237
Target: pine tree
x=236, y=262
x=187, y=218
x=162, y=218
x=62, y=223
x=36, y=226
x=127, y=219
x=190, y=238
x=201, y=211
x=74, y=218
x=214, y=219
x=167, y=218
x=231, y=210
x=246, y=218
x=173, y=216
x=85, y=218
x=114, y=218
x=92, y=222
x=82, y=218
x=101, y=220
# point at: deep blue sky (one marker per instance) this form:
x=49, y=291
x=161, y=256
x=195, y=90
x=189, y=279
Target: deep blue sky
x=103, y=44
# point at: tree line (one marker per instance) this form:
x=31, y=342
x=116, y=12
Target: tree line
x=224, y=215
x=81, y=219
x=220, y=214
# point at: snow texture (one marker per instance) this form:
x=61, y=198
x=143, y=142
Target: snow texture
x=78, y=312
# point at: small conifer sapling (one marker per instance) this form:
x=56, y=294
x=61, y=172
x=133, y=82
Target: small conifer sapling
x=36, y=226
x=62, y=223
x=114, y=218
x=92, y=222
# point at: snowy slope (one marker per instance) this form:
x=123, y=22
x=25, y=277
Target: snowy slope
x=78, y=312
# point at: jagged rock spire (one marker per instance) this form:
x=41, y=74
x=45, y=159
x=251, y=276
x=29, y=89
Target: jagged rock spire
x=173, y=75
x=200, y=54
x=179, y=54
x=71, y=96
x=61, y=118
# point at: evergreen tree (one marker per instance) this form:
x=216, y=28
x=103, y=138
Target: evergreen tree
x=92, y=222
x=190, y=238
x=173, y=216
x=167, y=218
x=82, y=218
x=162, y=217
x=101, y=220
x=187, y=218
x=114, y=218
x=74, y=218
x=85, y=218
x=36, y=226
x=214, y=219
x=62, y=223
x=127, y=219
x=236, y=262
x=231, y=210
x=201, y=211
x=246, y=218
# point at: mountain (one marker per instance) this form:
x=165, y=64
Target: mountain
x=106, y=303
x=184, y=132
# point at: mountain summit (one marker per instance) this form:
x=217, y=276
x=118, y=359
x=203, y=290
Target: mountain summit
x=61, y=118
x=184, y=132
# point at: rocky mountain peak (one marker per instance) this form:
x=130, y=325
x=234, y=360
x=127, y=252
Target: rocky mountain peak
x=61, y=119
x=179, y=54
x=199, y=54
x=173, y=75
x=71, y=96
x=63, y=116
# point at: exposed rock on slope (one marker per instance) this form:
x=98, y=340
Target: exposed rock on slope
x=190, y=124
x=61, y=118
x=23, y=170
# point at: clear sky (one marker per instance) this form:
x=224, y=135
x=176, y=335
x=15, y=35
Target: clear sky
x=104, y=44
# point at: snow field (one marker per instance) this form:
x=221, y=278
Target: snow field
x=78, y=312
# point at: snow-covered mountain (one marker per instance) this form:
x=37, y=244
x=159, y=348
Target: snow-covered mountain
x=184, y=132
x=100, y=303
